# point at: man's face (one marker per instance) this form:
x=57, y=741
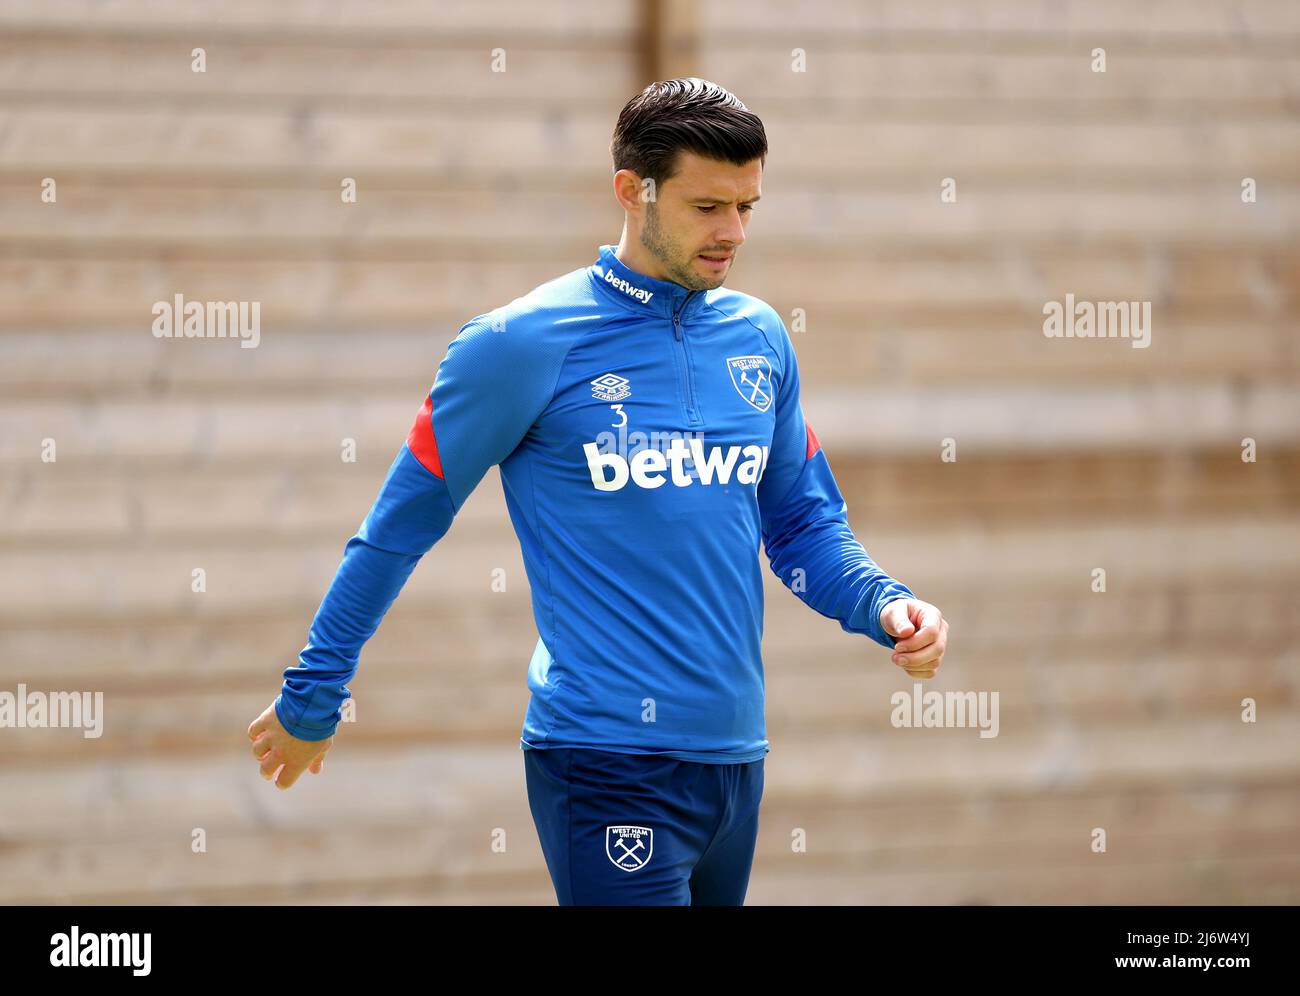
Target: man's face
x=696, y=223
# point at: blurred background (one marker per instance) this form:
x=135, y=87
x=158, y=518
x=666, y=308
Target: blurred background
x=1120, y=710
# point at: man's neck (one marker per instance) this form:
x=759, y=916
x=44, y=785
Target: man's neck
x=634, y=256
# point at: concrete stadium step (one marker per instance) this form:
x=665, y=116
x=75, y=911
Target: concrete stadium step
x=852, y=24
x=1053, y=755
x=1037, y=422
x=122, y=363
x=457, y=20
x=338, y=72
x=1224, y=880
x=1254, y=881
x=1034, y=72
x=447, y=783
x=1197, y=21
x=1047, y=420
x=845, y=695
x=1015, y=352
x=442, y=645
x=437, y=827
x=110, y=218
x=60, y=288
x=127, y=216
x=470, y=141
x=76, y=505
x=324, y=503
x=257, y=576
x=500, y=141
x=399, y=862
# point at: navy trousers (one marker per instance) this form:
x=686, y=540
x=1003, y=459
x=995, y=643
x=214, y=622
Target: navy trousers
x=643, y=829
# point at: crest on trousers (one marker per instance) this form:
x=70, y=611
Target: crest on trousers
x=752, y=377
x=629, y=847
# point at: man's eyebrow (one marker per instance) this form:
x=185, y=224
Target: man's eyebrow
x=723, y=200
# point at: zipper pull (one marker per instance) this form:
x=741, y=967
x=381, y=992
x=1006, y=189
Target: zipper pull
x=677, y=327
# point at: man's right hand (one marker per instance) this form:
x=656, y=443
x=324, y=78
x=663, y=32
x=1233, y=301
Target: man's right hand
x=276, y=748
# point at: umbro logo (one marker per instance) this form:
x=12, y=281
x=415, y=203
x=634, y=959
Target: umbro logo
x=610, y=387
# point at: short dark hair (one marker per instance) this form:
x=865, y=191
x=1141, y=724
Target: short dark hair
x=687, y=113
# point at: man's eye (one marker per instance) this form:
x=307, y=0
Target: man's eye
x=747, y=207
x=706, y=208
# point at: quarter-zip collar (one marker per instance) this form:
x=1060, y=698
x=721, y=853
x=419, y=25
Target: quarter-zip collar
x=638, y=292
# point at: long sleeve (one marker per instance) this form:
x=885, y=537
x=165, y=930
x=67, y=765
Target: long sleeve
x=469, y=422
x=806, y=531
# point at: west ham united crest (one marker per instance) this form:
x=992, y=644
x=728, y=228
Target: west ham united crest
x=629, y=847
x=752, y=377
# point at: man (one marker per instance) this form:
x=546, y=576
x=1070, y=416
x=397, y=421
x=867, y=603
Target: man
x=648, y=428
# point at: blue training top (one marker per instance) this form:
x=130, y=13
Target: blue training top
x=649, y=437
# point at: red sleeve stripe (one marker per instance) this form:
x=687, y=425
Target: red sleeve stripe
x=421, y=441
x=814, y=444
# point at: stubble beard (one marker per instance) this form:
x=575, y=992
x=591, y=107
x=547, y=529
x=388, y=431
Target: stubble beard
x=670, y=255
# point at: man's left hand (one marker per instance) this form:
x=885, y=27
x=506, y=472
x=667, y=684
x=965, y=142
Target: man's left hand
x=922, y=634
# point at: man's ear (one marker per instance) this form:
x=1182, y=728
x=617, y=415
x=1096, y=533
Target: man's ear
x=627, y=189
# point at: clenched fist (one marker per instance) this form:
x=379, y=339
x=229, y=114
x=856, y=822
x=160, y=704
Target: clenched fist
x=922, y=634
x=277, y=748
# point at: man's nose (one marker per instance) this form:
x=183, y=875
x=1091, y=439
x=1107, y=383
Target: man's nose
x=733, y=235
